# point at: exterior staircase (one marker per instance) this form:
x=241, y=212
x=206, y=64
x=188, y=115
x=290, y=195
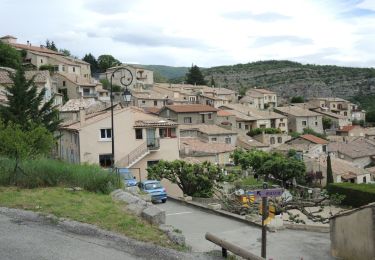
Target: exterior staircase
x=139, y=153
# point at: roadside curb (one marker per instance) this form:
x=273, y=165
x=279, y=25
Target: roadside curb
x=119, y=242
x=309, y=228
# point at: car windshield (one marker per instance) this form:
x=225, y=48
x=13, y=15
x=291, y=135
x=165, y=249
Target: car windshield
x=152, y=186
x=127, y=175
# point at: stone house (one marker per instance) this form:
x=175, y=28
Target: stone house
x=225, y=119
x=141, y=140
x=42, y=80
x=248, y=118
x=75, y=86
x=300, y=118
x=351, y=130
x=272, y=140
x=39, y=56
x=360, y=152
x=305, y=145
x=260, y=98
x=190, y=114
x=212, y=100
x=209, y=133
x=142, y=78
x=148, y=98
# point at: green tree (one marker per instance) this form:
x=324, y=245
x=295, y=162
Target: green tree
x=93, y=63
x=19, y=144
x=212, y=84
x=24, y=104
x=198, y=180
x=297, y=99
x=195, y=76
x=158, y=78
x=51, y=45
x=9, y=56
x=327, y=123
x=107, y=85
x=329, y=170
x=370, y=116
x=65, y=52
x=107, y=61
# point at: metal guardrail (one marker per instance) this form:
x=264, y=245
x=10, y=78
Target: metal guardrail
x=225, y=246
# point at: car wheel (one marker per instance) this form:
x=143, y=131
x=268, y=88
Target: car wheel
x=164, y=200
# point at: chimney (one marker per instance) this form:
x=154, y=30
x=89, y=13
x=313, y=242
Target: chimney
x=82, y=116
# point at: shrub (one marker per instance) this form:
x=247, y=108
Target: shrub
x=47, y=173
x=356, y=195
x=257, y=131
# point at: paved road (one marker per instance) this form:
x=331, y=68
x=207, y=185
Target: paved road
x=29, y=241
x=286, y=244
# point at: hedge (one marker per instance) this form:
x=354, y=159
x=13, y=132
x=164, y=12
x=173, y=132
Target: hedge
x=356, y=195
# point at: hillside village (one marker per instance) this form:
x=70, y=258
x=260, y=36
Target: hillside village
x=193, y=123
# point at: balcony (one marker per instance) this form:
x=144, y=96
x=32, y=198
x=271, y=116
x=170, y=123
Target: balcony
x=153, y=144
x=93, y=95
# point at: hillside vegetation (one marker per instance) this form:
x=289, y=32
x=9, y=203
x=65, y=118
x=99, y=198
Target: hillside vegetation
x=289, y=78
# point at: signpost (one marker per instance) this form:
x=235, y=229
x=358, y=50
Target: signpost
x=264, y=194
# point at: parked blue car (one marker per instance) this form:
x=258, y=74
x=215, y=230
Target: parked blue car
x=153, y=187
x=127, y=177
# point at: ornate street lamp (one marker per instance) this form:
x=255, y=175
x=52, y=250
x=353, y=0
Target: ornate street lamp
x=126, y=79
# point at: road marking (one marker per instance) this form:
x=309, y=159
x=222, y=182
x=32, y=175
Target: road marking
x=179, y=213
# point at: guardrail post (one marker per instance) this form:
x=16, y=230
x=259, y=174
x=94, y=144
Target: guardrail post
x=224, y=252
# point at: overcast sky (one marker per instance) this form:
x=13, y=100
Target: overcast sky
x=203, y=32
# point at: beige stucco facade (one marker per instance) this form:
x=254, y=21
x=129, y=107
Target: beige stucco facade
x=353, y=234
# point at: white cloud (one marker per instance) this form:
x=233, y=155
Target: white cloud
x=206, y=33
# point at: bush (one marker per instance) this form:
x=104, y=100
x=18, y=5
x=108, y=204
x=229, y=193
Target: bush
x=257, y=131
x=356, y=195
x=48, y=173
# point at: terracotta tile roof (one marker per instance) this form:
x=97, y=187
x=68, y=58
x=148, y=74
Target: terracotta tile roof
x=207, y=129
x=152, y=110
x=73, y=105
x=251, y=112
x=346, y=128
x=330, y=114
x=358, y=148
x=296, y=111
x=40, y=76
x=35, y=48
x=314, y=139
x=248, y=143
x=76, y=79
x=196, y=146
x=149, y=94
x=191, y=108
x=212, y=97
x=224, y=113
x=300, y=147
x=59, y=58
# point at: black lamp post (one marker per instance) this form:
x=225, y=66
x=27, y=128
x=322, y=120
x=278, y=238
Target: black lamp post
x=126, y=78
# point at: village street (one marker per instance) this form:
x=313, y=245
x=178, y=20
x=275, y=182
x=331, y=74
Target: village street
x=283, y=245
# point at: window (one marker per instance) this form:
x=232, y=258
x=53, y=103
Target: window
x=364, y=179
x=333, y=105
x=155, y=102
x=228, y=140
x=316, y=123
x=106, y=133
x=262, y=126
x=279, y=140
x=209, y=116
x=304, y=123
x=63, y=68
x=143, y=101
x=281, y=119
x=151, y=163
x=246, y=127
x=74, y=69
x=105, y=160
x=187, y=120
x=239, y=125
x=167, y=132
x=86, y=91
x=138, y=134
x=64, y=83
x=41, y=60
x=192, y=99
x=345, y=113
x=213, y=139
x=272, y=140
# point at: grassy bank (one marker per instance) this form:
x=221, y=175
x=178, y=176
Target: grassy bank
x=83, y=206
x=50, y=173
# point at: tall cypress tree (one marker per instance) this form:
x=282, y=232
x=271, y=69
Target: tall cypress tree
x=24, y=104
x=329, y=170
x=195, y=76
